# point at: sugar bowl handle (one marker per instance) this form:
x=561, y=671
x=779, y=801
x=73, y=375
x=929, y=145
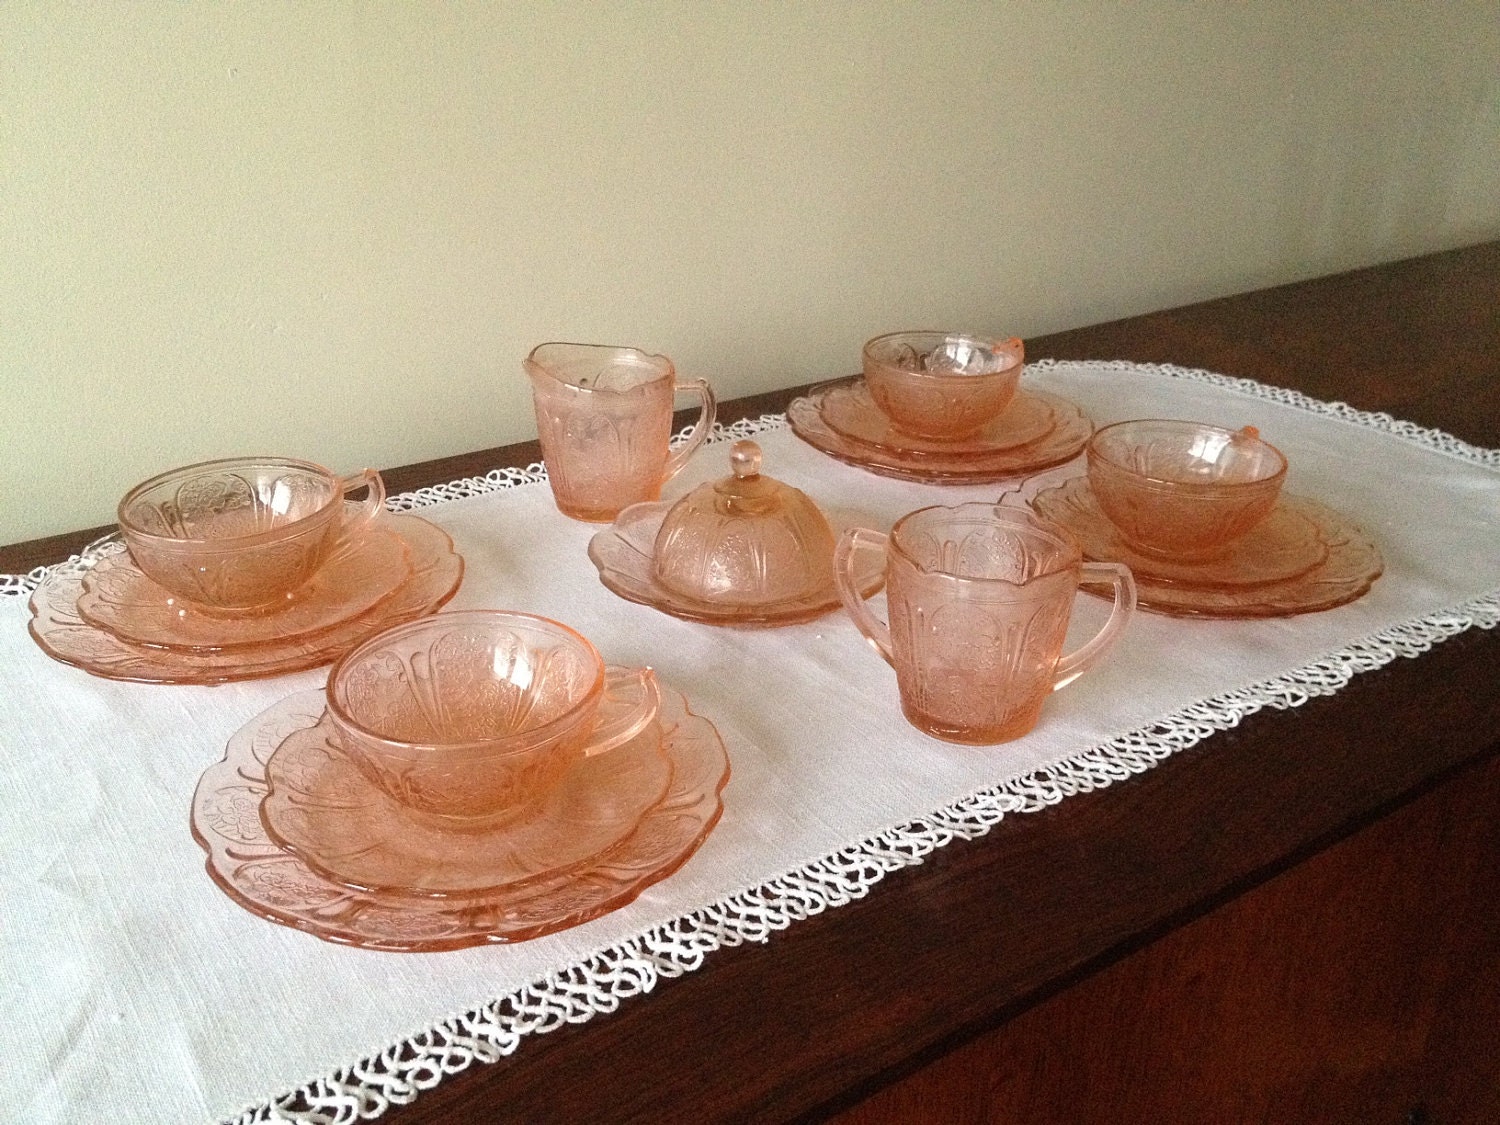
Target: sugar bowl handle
x=1076, y=663
x=876, y=631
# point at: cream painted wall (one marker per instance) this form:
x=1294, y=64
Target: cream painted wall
x=334, y=229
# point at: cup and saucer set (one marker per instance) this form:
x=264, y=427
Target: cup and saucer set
x=484, y=776
x=239, y=569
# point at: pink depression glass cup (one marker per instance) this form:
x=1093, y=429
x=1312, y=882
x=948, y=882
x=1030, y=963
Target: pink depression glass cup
x=1184, y=490
x=943, y=386
x=470, y=719
x=242, y=534
x=979, y=598
x=604, y=420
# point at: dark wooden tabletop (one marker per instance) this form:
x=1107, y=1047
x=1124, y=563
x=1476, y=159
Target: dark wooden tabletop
x=845, y=1002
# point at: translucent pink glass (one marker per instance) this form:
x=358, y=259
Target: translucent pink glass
x=745, y=540
x=1185, y=489
x=604, y=420
x=324, y=810
x=980, y=598
x=942, y=385
x=474, y=717
x=242, y=533
x=273, y=883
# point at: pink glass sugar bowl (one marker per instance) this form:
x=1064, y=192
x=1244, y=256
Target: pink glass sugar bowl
x=1184, y=489
x=241, y=534
x=942, y=386
x=604, y=421
x=979, y=597
x=471, y=718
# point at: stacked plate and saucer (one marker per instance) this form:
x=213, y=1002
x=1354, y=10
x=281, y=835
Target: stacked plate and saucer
x=468, y=778
x=941, y=408
x=239, y=569
x=1198, y=514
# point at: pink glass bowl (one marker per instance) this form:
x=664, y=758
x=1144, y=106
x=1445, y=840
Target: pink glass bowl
x=943, y=386
x=475, y=717
x=1184, y=489
x=242, y=533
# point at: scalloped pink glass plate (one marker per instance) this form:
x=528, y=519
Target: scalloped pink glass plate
x=323, y=810
x=1352, y=565
x=1064, y=442
x=850, y=409
x=118, y=598
x=1285, y=545
x=272, y=883
x=56, y=627
x=625, y=555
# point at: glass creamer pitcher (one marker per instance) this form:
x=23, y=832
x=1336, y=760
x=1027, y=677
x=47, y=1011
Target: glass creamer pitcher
x=604, y=420
x=979, y=599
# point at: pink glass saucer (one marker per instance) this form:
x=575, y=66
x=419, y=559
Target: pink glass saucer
x=56, y=627
x=328, y=814
x=625, y=555
x=1285, y=545
x=272, y=883
x=850, y=409
x=1062, y=443
x=119, y=599
x=1352, y=565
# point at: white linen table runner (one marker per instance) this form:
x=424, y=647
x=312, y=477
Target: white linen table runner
x=134, y=990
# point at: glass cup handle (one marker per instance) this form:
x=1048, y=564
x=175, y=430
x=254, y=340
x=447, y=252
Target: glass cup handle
x=1070, y=667
x=876, y=631
x=631, y=700
x=701, y=428
x=369, y=508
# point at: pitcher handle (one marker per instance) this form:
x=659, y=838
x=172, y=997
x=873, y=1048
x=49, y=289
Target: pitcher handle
x=701, y=428
x=632, y=697
x=370, y=507
x=875, y=631
x=1070, y=667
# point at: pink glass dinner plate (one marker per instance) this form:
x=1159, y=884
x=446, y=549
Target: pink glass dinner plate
x=850, y=409
x=56, y=627
x=625, y=555
x=1347, y=572
x=118, y=598
x=1062, y=443
x=323, y=810
x=1286, y=544
x=272, y=883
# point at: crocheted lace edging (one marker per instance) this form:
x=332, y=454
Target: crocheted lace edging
x=598, y=985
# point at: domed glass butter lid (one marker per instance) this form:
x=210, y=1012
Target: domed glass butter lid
x=747, y=539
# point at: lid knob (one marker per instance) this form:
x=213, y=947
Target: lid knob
x=744, y=459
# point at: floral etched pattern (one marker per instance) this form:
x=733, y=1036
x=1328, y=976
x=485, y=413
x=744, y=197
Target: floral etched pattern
x=57, y=627
x=1062, y=443
x=272, y=883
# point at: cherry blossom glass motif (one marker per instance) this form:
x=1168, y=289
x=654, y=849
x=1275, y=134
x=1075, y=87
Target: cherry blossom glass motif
x=942, y=385
x=472, y=718
x=604, y=421
x=979, y=598
x=243, y=533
